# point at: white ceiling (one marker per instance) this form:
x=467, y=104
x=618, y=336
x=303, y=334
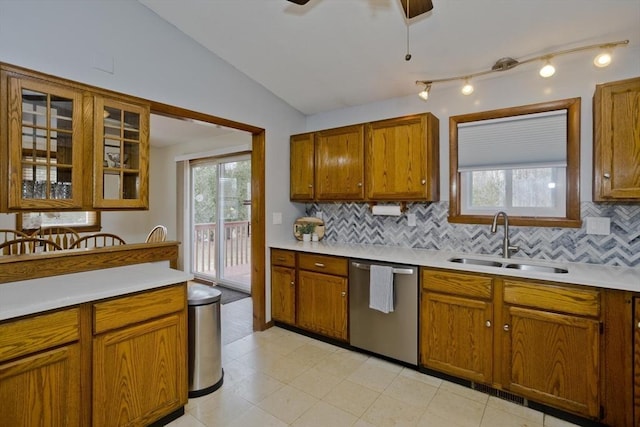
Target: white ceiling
x=333, y=54
x=166, y=131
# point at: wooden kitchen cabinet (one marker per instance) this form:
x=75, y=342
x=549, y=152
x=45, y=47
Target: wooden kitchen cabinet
x=551, y=345
x=538, y=340
x=69, y=146
x=139, y=357
x=302, y=167
x=457, y=324
x=43, y=143
x=339, y=164
x=40, y=370
x=402, y=159
x=283, y=286
x=323, y=295
x=616, y=144
x=636, y=361
x=121, y=151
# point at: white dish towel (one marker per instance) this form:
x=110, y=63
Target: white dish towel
x=381, y=288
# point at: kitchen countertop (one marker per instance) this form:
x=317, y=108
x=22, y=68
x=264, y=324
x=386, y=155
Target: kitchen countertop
x=604, y=276
x=48, y=293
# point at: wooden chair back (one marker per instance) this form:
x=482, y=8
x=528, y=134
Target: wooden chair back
x=9, y=234
x=97, y=240
x=157, y=234
x=28, y=245
x=62, y=236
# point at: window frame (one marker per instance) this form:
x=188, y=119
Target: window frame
x=95, y=227
x=572, y=215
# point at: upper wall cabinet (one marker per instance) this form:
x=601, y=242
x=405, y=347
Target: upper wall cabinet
x=302, y=175
x=340, y=163
x=121, y=163
x=43, y=140
x=402, y=159
x=616, y=145
x=66, y=146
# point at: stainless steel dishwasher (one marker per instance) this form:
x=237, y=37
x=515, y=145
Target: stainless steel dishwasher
x=395, y=334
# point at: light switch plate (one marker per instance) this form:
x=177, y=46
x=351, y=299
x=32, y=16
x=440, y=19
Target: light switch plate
x=598, y=225
x=277, y=217
x=411, y=220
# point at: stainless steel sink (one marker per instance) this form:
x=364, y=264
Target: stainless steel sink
x=537, y=268
x=475, y=261
x=515, y=266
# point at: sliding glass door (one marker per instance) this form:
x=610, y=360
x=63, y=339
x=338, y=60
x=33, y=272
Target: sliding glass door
x=221, y=221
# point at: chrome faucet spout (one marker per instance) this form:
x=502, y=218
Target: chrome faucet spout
x=507, y=248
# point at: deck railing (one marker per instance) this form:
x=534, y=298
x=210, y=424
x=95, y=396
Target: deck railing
x=237, y=240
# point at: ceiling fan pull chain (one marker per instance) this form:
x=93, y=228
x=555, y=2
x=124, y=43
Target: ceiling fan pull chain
x=407, y=57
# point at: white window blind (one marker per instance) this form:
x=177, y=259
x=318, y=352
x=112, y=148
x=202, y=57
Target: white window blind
x=530, y=140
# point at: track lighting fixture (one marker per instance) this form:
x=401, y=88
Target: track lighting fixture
x=467, y=89
x=424, y=93
x=503, y=64
x=547, y=69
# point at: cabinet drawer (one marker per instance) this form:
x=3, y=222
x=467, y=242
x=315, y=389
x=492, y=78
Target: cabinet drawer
x=559, y=298
x=39, y=332
x=125, y=311
x=470, y=285
x=323, y=264
x=283, y=258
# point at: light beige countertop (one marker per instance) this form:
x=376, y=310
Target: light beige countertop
x=604, y=276
x=48, y=293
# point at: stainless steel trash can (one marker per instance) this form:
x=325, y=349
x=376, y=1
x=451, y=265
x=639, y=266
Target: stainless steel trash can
x=205, y=352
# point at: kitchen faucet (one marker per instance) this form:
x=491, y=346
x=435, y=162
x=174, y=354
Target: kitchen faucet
x=507, y=248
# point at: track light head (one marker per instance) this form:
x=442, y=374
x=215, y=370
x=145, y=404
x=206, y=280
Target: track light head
x=424, y=94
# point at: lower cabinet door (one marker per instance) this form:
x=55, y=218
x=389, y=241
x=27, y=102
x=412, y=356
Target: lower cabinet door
x=322, y=304
x=636, y=362
x=283, y=294
x=457, y=336
x=552, y=358
x=42, y=390
x=140, y=372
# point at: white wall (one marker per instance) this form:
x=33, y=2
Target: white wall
x=575, y=77
x=153, y=60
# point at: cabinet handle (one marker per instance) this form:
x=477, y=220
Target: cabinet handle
x=280, y=258
x=319, y=264
x=506, y=327
x=487, y=323
x=424, y=181
x=607, y=175
x=344, y=294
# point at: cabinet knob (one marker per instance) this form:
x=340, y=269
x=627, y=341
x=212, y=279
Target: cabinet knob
x=293, y=283
x=310, y=185
x=506, y=327
x=638, y=325
x=607, y=175
x=424, y=181
x=344, y=294
x=359, y=184
x=487, y=323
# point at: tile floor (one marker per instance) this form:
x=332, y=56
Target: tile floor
x=280, y=378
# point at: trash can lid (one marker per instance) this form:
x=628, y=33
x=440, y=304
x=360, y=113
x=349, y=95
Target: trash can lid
x=202, y=294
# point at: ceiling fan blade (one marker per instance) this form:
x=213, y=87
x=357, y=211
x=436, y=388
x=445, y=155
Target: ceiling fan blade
x=416, y=7
x=300, y=2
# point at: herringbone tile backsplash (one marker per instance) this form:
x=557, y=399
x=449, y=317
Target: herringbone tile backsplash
x=354, y=223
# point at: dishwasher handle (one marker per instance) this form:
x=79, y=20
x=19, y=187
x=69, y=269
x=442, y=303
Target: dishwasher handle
x=362, y=266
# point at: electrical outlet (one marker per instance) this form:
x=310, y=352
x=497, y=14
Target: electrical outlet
x=598, y=225
x=411, y=220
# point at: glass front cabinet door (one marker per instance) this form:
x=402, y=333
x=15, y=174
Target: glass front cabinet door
x=121, y=154
x=44, y=130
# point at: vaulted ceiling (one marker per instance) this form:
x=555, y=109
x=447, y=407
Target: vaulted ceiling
x=331, y=54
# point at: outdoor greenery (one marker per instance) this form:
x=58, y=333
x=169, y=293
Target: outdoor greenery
x=233, y=179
